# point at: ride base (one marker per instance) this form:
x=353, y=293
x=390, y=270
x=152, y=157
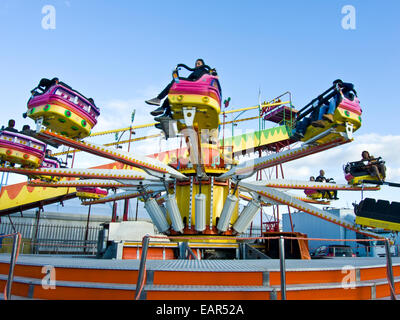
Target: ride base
x=87, y=278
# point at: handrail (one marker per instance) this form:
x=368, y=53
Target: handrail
x=389, y=270
x=13, y=259
x=142, y=268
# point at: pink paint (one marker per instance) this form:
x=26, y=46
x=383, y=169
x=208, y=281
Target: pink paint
x=207, y=85
x=352, y=106
x=94, y=190
x=74, y=101
x=22, y=143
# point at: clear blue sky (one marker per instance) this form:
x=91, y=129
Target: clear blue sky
x=122, y=50
x=114, y=49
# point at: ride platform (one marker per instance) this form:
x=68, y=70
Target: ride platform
x=277, y=114
x=88, y=278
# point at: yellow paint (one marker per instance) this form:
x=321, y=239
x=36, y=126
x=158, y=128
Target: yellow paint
x=37, y=194
x=56, y=112
x=340, y=119
x=207, y=112
x=89, y=195
x=318, y=195
x=46, y=178
x=18, y=157
x=378, y=223
x=358, y=180
x=220, y=193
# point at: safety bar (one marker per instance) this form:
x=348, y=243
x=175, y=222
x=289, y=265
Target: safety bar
x=320, y=99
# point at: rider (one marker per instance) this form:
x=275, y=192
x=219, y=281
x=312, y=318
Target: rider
x=198, y=72
x=49, y=155
x=26, y=130
x=302, y=125
x=46, y=84
x=373, y=166
x=327, y=110
x=11, y=126
x=322, y=178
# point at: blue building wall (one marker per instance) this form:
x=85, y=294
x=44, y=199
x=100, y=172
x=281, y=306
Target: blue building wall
x=316, y=227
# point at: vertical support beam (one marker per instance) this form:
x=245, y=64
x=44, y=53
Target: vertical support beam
x=87, y=229
x=137, y=208
x=35, y=237
x=114, y=212
x=290, y=214
x=282, y=267
x=211, y=202
x=126, y=210
x=13, y=259
x=190, y=203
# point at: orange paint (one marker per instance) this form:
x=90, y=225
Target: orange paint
x=208, y=278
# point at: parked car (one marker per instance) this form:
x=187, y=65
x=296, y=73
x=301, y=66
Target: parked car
x=380, y=250
x=335, y=250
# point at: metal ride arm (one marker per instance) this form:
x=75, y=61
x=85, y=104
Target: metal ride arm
x=113, y=184
x=125, y=195
x=248, y=168
x=304, y=199
x=301, y=185
x=83, y=183
x=151, y=166
x=83, y=173
x=390, y=184
x=269, y=194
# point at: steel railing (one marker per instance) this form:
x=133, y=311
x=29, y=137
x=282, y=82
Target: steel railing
x=13, y=259
x=141, y=281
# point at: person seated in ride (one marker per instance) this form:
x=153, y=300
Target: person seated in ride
x=11, y=126
x=45, y=84
x=326, y=111
x=199, y=71
x=302, y=125
x=312, y=179
x=321, y=178
x=373, y=166
x=49, y=155
x=26, y=130
x=91, y=101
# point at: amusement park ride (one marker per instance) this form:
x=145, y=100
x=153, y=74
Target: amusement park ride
x=192, y=192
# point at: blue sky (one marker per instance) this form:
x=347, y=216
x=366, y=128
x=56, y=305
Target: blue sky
x=122, y=52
